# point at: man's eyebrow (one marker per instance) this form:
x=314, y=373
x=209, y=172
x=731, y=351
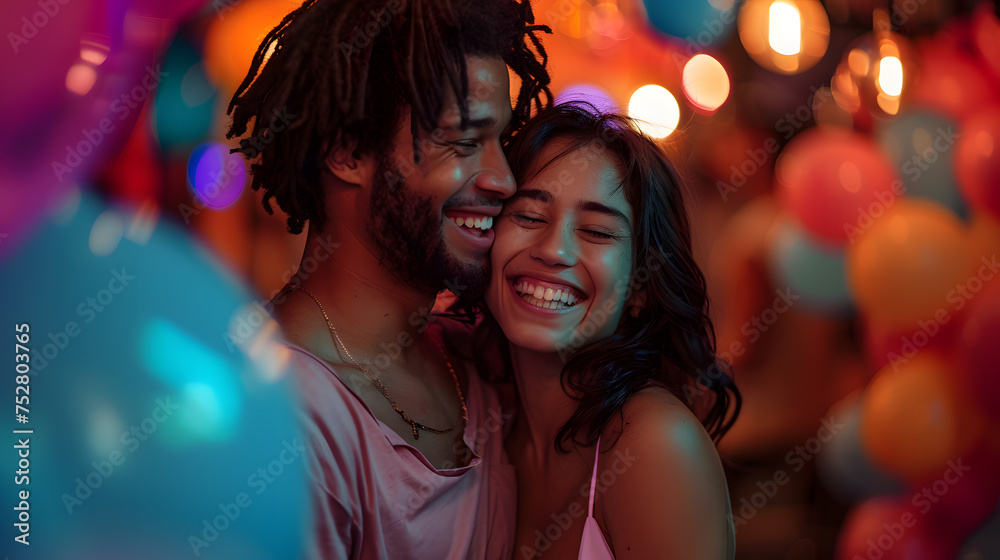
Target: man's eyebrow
x=594, y=206
x=485, y=122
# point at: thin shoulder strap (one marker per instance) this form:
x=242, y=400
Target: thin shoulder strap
x=593, y=479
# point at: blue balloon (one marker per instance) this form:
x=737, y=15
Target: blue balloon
x=697, y=21
x=163, y=424
x=921, y=144
x=814, y=273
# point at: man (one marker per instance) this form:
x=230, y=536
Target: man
x=394, y=156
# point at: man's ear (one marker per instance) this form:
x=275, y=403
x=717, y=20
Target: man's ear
x=345, y=164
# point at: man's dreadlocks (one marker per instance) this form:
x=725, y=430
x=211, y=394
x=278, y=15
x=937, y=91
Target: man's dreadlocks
x=347, y=70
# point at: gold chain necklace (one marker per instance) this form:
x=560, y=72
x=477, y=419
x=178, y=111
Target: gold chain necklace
x=382, y=388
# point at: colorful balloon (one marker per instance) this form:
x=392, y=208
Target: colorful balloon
x=842, y=465
x=921, y=144
x=874, y=527
x=83, y=74
x=185, y=101
x=835, y=182
x=980, y=330
x=914, y=419
x=164, y=423
x=977, y=161
x=965, y=494
x=811, y=271
x=697, y=21
x=905, y=269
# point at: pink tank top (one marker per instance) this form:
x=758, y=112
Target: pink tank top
x=592, y=544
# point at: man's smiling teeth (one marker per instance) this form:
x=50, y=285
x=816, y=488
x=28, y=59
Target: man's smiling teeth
x=484, y=223
x=547, y=298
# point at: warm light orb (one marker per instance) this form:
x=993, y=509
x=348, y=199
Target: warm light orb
x=706, y=83
x=784, y=28
x=655, y=109
x=876, y=72
x=890, y=76
x=784, y=36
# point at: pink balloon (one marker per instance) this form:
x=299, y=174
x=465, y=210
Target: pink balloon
x=83, y=77
x=835, y=182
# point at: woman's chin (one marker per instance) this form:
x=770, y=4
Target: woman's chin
x=544, y=342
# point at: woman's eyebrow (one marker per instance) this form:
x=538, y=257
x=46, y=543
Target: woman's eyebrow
x=532, y=194
x=594, y=206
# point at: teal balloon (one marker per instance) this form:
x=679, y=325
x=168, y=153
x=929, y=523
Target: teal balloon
x=814, y=273
x=185, y=101
x=922, y=145
x=164, y=423
x=696, y=21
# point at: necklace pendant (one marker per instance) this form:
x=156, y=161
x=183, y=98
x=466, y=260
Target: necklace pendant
x=416, y=434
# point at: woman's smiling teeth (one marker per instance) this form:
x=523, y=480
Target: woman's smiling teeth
x=546, y=298
x=483, y=223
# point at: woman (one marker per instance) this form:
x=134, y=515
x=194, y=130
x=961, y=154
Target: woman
x=608, y=337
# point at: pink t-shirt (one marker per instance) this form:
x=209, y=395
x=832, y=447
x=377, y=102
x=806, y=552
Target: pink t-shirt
x=375, y=496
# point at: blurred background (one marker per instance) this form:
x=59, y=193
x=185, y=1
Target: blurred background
x=844, y=191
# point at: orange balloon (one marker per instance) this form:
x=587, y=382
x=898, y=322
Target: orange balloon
x=905, y=267
x=914, y=419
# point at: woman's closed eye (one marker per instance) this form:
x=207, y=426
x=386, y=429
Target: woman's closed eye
x=525, y=219
x=599, y=234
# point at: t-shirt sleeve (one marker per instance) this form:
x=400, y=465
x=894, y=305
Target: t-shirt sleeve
x=335, y=492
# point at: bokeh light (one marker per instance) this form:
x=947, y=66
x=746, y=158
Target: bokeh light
x=706, y=83
x=216, y=176
x=787, y=36
x=877, y=71
x=784, y=28
x=655, y=109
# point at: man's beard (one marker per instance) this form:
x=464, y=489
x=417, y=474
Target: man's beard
x=406, y=228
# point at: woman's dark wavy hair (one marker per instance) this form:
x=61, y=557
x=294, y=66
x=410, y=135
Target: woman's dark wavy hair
x=345, y=71
x=671, y=342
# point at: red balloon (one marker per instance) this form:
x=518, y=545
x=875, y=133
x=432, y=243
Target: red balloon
x=950, y=80
x=965, y=494
x=875, y=526
x=892, y=528
x=835, y=182
x=886, y=345
x=986, y=38
x=977, y=159
x=977, y=345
